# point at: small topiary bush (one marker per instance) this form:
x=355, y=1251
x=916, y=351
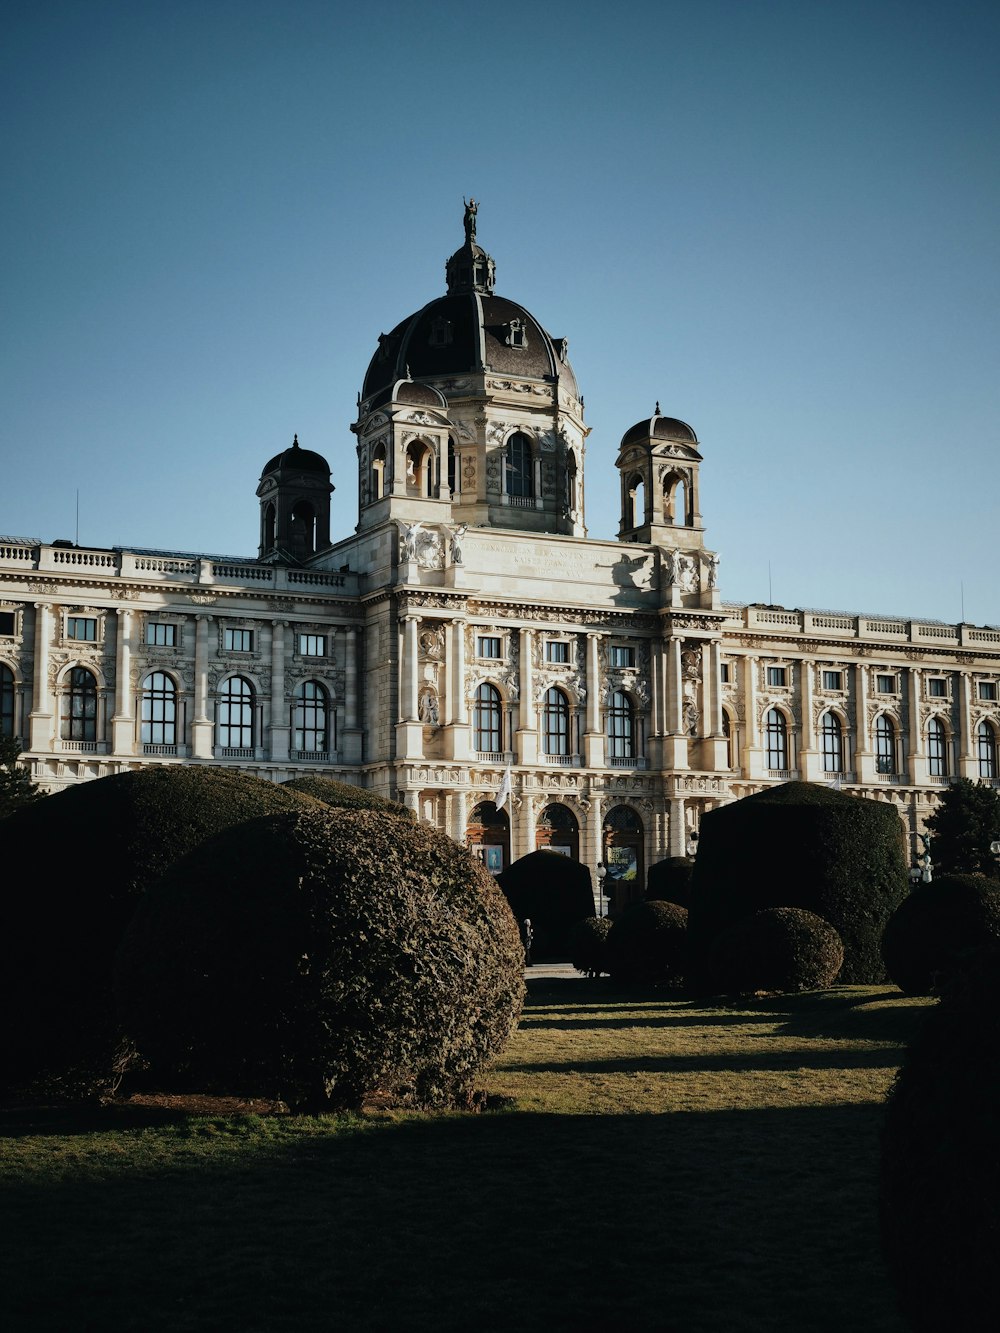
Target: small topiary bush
x=801, y=845
x=345, y=796
x=322, y=957
x=780, y=949
x=940, y=1187
x=106, y=841
x=932, y=929
x=647, y=945
x=670, y=880
x=554, y=892
x=587, y=945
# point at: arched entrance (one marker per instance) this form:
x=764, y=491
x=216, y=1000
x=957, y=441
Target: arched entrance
x=487, y=834
x=558, y=830
x=623, y=856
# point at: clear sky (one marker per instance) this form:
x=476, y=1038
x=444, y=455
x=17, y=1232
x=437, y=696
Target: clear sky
x=782, y=220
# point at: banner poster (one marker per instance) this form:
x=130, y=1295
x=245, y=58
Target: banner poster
x=494, y=859
x=623, y=863
x=563, y=851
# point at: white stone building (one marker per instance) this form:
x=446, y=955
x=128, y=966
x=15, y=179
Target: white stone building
x=469, y=625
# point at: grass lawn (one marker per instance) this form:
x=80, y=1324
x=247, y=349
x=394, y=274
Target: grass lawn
x=659, y=1164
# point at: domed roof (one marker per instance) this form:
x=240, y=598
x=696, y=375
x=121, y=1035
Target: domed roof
x=411, y=394
x=658, y=427
x=469, y=329
x=298, y=459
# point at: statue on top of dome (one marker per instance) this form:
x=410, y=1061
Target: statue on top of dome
x=471, y=209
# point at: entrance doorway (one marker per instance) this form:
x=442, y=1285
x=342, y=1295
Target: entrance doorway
x=488, y=836
x=558, y=831
x=623, y=855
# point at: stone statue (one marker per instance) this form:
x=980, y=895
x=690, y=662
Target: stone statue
x=410, y=535
x=671, y=562
x=456, y=543
x=713, y=569
x=471, y=209
x=428, y=708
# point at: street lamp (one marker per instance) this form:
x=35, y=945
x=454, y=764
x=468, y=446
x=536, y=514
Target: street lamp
x=602, y=872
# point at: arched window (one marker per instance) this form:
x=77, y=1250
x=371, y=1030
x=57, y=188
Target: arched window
x=675, y=500
x=486, y=720
x=79, y=706
x=378, y=472
x=555, y=723
x=571, y=470
x=727, y=731
x=269, y=528
x=419, y=469
x=937, y=748
x=636, y=514
x=519, y=468
x=303, y=532
x=776, y=733
x=986, y=744
x=159, y=710
x=236, y=714
x=885, y=744
x=6, y=701
x=452, y=467
x=832, y=737
x=310, y=719
x=621, y=727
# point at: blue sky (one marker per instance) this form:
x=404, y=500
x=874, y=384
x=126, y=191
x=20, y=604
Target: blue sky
x=779, y=219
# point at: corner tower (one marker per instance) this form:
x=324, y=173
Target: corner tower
x=294, y=494
x=489, y=399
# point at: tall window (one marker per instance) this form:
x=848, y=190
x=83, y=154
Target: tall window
x=776, y=732
x=555, y=723
x=833, y=743
x=79, y=707
x=236, y=703
x=81, y=627
x=937, y=748
x=452, y=467
x=986, y=744
x=311, y=712
x=6, y=701
x=486, y=719
x=159, y=710
x=160, y=635
x=519, y=467
x=885, y=745
x=621, y=727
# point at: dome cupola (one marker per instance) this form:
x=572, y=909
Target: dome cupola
x=294, y=493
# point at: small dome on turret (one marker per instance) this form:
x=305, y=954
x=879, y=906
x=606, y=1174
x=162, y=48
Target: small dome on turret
x=297, y=459
x=658, y=427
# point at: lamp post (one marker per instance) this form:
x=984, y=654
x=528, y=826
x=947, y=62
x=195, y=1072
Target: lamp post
x=922, y=870
x=602, y=872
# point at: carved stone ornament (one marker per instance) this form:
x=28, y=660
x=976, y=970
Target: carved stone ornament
x=432, y=643
x=203, y=598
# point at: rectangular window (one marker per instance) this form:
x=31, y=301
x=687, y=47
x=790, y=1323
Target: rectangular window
x=161, y=636
x=724, y=675
x=81, y=627
x=885, y=684
x=312, y=645
x=937, y=687
x=6, y=622
x=988, y=689
x=777, y=675
x=557, y=650
x=833, y=680
x=237, y=640
x=622, y=655
x=488, y=645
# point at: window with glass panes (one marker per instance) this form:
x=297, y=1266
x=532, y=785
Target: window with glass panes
x=622, y=655
x=79, y=706
x=159, y=709
x=621, y=727
x=7, y=623
x=236, y=708
x=311, y=710
x=486, y=720
x=885, y=684
x=776, y=738
x=937, y=748
x=81, y=627
x=885, y=745
x=520, y=469
x=555, y=723
x=6, y=701
x=986, y=745
x=160, y=635
x=832, y=735
x=237, y=640
x=937, y=687
x=988, y=690
x=312, y=645
x=777, y=675
x=488, y=645
x=557, y=650
x=833, y=680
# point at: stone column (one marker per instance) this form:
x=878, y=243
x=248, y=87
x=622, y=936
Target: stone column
x=409, y=732
x=280, y=719
x=675, y=744
x=918, y=758
x=810, y=762
x=864, y=758
x=968, y=759
x=593, y=840
x=202, y=726
x=458, y=711
x=678, y=828
x=751, y=741
x=459, y=816
x=593, y=741
x=526, y=741
x=351, y=743
x=40, y=718
x=123, y=721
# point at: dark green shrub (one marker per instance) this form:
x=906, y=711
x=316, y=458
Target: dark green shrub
x=779, y=949
x=323, y=956
x=553, y=891
x=964, y=823
x=345, y=796
x=17, y=789
x=587, y=945
x=647, y=945
x=670, y=880
x=930, y=931
x=105, y=842
x=800, y=845
x=940, y=1188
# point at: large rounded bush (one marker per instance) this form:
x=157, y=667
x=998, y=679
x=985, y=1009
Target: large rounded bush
x=98, y=846
x=323, y=956
x=930, y=931
x=779, y=949
x=670, y=880
x=647, y=945
x=940, y=1196
x=553, y=891
x=801, y=845
x=588, y=945
x=345, y=796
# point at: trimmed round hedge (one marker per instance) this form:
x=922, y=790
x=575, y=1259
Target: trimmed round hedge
x=554, y=892
x=779, y=949
x=940, y=1183
x=345, y=796
x=647, y=945
x=322, y=957
x=670, y=880
x=106, y=841
x=801, y=845
x=930, y=931
x=588, y=945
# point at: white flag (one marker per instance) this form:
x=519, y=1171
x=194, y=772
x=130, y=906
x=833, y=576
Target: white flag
x=503, y=795
x=836, y=783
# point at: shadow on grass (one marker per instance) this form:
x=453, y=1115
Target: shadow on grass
x=762, y=1060
x=729, y=1220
